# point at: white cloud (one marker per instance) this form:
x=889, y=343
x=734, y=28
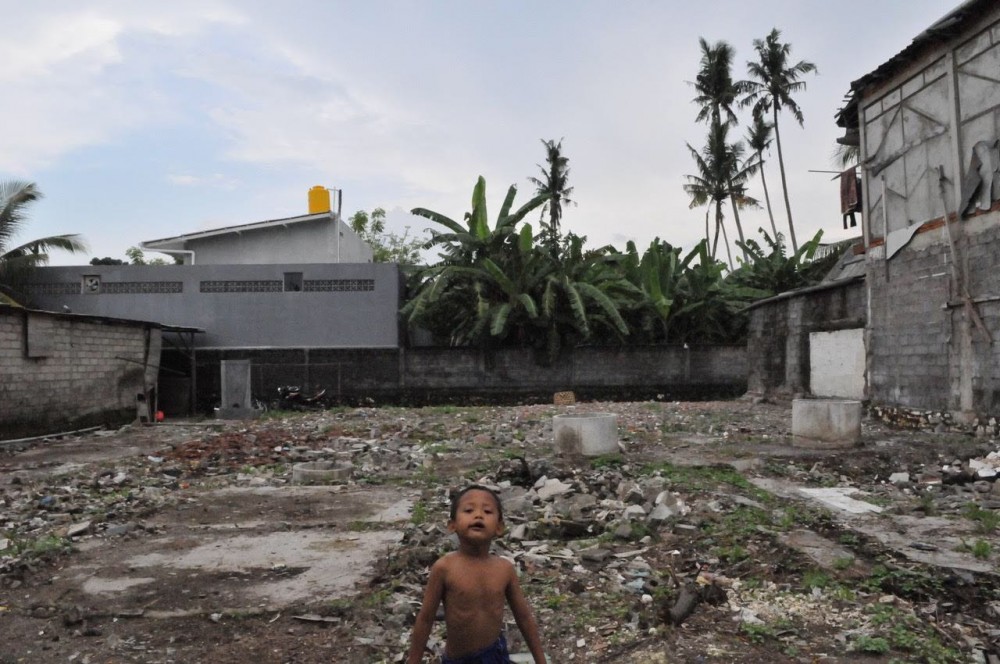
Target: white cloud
x=405, y=104
x=77, y=79
x=214, y=181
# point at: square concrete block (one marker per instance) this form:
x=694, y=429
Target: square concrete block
x=826, y=422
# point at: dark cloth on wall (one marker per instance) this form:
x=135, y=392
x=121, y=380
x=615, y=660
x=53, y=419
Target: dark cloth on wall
x=850, y=191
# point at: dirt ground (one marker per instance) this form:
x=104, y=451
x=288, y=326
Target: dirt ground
x=190, y=541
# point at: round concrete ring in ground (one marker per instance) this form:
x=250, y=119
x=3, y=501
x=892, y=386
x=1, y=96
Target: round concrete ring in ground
x=320, y=472
x=590, y=435
x=826, y=423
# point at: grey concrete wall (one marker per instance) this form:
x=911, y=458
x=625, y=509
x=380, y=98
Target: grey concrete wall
x=301, y=242
x=426, y=375
x=925, y=350
x=778, y=336
x=63, y=372
x=239, y=306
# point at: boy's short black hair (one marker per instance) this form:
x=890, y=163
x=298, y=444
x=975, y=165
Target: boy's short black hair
x=474, y=487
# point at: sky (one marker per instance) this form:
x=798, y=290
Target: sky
x=144, y=120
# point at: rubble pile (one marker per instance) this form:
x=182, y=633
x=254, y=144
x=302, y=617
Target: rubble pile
x=936, y=421
x=617, y=554
x=44, y=516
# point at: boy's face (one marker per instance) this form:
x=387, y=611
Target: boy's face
x=477, y=516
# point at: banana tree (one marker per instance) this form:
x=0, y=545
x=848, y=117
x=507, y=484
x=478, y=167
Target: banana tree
x=481, y=289
x=468, y=244
x=584, y=298
x=658, y=274
x=709, y=308
x=772, y=271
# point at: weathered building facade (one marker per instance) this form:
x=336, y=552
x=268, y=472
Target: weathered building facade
x=927, y=123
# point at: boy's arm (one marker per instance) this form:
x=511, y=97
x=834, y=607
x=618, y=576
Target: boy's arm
x=425, y=617
x=524, y=618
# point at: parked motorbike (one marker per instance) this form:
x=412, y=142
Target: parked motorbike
x=291, y=397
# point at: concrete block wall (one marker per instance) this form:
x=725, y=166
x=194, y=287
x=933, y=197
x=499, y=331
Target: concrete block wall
x=924, y=352
x=779, y=329
x=62, y=372
x=426, y=375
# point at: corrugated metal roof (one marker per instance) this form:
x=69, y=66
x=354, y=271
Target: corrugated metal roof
x=104, y=320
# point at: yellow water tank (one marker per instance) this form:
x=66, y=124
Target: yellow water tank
x=319, y=200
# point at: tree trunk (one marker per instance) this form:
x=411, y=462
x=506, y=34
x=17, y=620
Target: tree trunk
x=739, y=226
x=708, y=233
x=784, y=183
x=725, y=237
x=715, y=242
x=767, y=197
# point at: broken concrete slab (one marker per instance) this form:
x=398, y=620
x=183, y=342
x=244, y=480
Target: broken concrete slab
x=824, y=552
x=836, y=498
x=907, y=535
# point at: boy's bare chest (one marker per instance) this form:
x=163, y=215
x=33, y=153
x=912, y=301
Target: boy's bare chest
x=477, y=583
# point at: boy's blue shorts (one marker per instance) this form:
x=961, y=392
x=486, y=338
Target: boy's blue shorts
x=495, y=654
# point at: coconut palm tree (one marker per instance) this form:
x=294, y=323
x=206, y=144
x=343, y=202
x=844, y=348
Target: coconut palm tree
x=17, y=262
x=717, y=94
x=554, y=185
x=721, y=176
x=759, y=140
x=773, y=81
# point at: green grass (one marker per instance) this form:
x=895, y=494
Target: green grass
x=607, y=461
x=732, y=554
x=436, y=448
x=441, y=410
x=39, y=547
x=902, y=632
x=419, y=515
x=871, y=645
x=902, y=582
x=986, y=521
x=815, y=578
x=699, y=476
x=758, y=634
x=927, y=504
x=843, y=563
x=981, y=549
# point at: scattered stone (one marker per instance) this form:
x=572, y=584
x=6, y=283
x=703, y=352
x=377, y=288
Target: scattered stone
x=597, y=531
x=78, y=529
x=899, y=478
x=550, y=488
x=564, y=398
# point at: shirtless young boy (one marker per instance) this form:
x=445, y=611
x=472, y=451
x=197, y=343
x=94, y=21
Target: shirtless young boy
x=474, y=585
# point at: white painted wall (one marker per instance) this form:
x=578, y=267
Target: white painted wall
x=302, y=242
x=837, y=364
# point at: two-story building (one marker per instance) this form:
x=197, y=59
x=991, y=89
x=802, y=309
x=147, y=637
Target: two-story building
x=295, y=296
